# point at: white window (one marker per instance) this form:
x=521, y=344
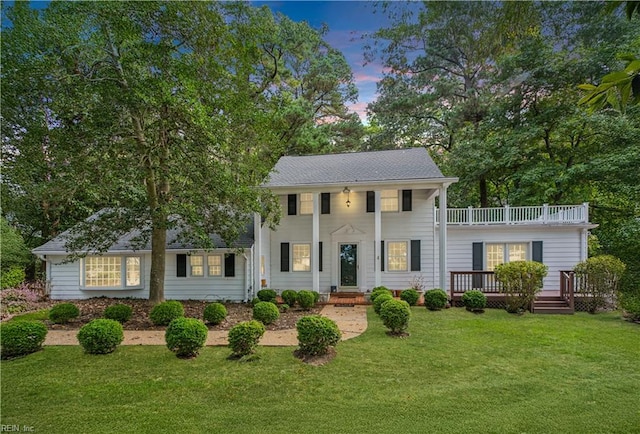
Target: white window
x=306, y=203
x=505, y=252
x=112, y=272
x=196, y=265
x=389, y=200
x=214, y=263
x=302, y=257
x=397, y=253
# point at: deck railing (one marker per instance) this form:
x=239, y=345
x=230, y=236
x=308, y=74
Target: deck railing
x=545, y=214
x=485, y=281
x=567, y=287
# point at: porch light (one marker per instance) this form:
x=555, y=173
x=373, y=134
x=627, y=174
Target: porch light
x=347, y=192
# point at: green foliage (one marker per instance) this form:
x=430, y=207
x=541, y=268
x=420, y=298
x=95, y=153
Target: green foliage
x=377, y=291
x=395, y=315
x=266, y=312
x=630, y=304
x=474, y=300
x=244, y=337
x=306, y=299
x=62, y=313
x=598, y=278
x=289, y=296
x=283, y=307
x=12, y=277
x=267, y=295
x=316, y=334
x=435, y=299
x=19, y=338
x=411, y=296
x=186, y=336
x=379, y=300
x=101, y=336
x=163, y=313
x=521, y=281
x=316, y=297
x=119, y=312
x=214, y=313
x=14, y=254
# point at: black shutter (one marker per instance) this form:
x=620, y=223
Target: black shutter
x=382, y=255
x=536, y=251
x=292, y=204
x=320, y=256
x=406, y=200
x=477, y=262
x=181, y=265
x=371, y=201
x=415, y=253
x=229, y=265
x=325, y=205
x=284, y=256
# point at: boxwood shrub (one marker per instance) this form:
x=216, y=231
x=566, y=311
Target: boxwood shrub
x=381, y=298
x=19, y=338
x=316, y=334
x=378, y=290
x=186, y=336
x=474, y=300
x=244, y=337
x=435, y=299
x=266, y=312
x=630, y=304
x=316, y=297
x=163, y=313
x=268, y=295
x=289, y=296
x=395, y=315
x=119, y=312
x=214, y=313
x=411, y=296
x=101, y=336
x=63, y=313
x=306, y=299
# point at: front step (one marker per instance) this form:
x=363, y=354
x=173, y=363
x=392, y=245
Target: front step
x=552, y=305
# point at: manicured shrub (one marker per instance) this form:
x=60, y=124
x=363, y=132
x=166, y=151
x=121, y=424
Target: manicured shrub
x=289, y=296
x=395, y=315
x=306, y=299
x=19, y=338
x=316, y=334
x=266, y=312
x=267, y=295
x=101, y=336
x=598, y=278
x=435, y=299
x=474, y=300
x=119, y=312
x=163, y=313
x=630, y=304
x=316, y=297
x=411, y=296
x=214, y=313
x=63, y=313
x=379, y=290
x=255, y=301
x=283, y=307
x=186, y=336
x=521, y=281
x=244, y=337
x=12, y=277
x=377, y=303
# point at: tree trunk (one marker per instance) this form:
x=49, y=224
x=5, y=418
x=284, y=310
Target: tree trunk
x=158, y=261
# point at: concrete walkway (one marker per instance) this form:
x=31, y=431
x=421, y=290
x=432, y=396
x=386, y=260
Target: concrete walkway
x=352, y=322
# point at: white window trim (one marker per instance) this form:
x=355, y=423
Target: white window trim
x=309, y=201
x=386, y=256
x=204, y=266
x=397, y=197
x=123, y=274
x=293, y=257
x=505, y=251
x=221, y=256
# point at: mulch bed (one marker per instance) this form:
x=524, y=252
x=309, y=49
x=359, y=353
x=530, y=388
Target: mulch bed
x=236, y=312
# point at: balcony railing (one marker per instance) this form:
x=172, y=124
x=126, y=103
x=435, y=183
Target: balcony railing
x=508, y=215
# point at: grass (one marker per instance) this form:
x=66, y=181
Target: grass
x=39, y=315
x=457, y=373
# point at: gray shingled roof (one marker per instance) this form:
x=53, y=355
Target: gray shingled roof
x=395, y=165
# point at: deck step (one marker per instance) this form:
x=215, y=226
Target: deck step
x=552, y=305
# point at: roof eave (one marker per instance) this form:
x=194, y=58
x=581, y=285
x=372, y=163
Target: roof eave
x=422, y=183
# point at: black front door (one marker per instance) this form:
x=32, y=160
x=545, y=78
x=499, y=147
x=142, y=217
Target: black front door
x=348, y=265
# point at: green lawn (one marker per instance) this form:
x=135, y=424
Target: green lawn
x=456, y=373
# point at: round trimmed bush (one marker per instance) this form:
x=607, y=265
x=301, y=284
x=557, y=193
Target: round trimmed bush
x=63, y=313
x=214, y=313
x=316, y=334
x=101, y=336
x=379, y=290
x=289, y=296
x=119, y=312
x=266, y=312
x=474, y=300
x=186, y=336
x=283, y=307
x=267, y=295
x=316, y=297
x=306, y=299
x=19, y=338
x=435, y=299
x=411, y=296
x=377, y=303
x=244, y=337
x=163, y=313
x=395, y=315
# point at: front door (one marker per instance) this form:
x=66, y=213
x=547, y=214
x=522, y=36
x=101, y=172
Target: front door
x=348, y=265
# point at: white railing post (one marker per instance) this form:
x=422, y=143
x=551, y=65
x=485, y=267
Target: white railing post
x=585, y=215
x=470, y=215
x=506, y=216
x=545, y=213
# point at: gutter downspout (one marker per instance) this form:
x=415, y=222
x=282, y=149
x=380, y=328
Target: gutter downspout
x=247, y=272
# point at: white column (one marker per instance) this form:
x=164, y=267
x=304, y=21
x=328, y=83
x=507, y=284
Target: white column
x=442, y=244
x=378, y=237
x=315, y=259
x=257, y=252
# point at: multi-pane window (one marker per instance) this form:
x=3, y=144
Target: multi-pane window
x=397, y=252
x=389, y=200
x=301, y=257
x=306, y=203
x=214, y=263
x=196, y=264
x=133, y=271
x=112, y=271
x=508, y=252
